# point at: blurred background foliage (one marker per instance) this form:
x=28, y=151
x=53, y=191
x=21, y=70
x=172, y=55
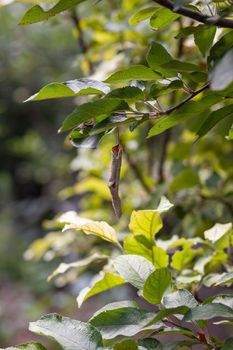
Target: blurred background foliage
x=41, y=175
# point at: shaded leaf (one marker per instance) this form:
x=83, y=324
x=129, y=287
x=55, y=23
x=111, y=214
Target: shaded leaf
x=204, y=37
x=228, y=345
x=127, y=344
x=134, y=269
x=156, y=285
x=70, y=334
x=214, y=118
x=90, y=110
x=128, y=93
x=150, y=344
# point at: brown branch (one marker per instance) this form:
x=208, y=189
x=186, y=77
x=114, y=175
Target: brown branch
x=214, y=20
x=190, y=97
x=114, y=179
x=82, y=43
x=165, y=140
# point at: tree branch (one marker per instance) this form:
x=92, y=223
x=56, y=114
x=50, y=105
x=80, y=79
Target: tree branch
x=190, y=97
x=214, y=20
x=114, y=179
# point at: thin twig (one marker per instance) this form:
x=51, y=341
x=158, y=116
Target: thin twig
x=214, y=20
x=137, y=172
x=114, y=179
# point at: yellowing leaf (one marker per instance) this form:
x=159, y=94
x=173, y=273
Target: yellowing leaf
x=96, y=228
x=146, y=223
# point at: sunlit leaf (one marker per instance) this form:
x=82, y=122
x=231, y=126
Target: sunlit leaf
x=208, y=311
x=222, y=74
x=162, y=18
x=132, y=73
x=100, y=283
x=217, y=231
x=142, y=15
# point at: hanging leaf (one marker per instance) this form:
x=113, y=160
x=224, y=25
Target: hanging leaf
x=204, y=37
x=142, y=15
x=37, y=14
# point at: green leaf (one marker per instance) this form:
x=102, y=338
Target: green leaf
x=221, y=75
x=204, y=37
x=70, y=88
x=162, y=18
x=127, y=344
x=146, y=223
x=79, y=140
x=187, y=178
x=128, y=93
x=97, y=228
x=221, y=47
x=228, y=345
x=182, y=297
x=175, y=65
x=99, y=284
x=159, y=257
x=180, y=344
x=180, y=310
x=189, y=110
x=141, y=15
x=133, y=245
x=37, y=14
x=150, y=344
x=123, y=318
x=138, y=72
x=27, y=346
x=70, y=334
x=134, y=269
x=182, y=258
x=157, y=55
x=208, y=311
x=217, y=232
x=214, y=118
x=90, y=110
x=225, y=299
x=156, y=285
x=63, y=267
